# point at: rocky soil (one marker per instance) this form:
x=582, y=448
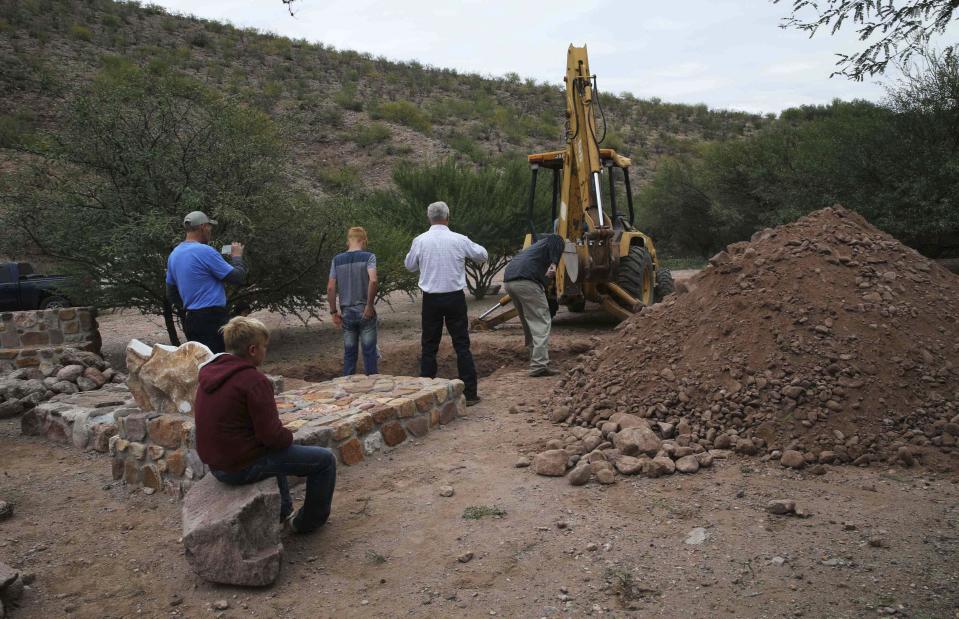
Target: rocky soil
x=823, y=341
x=876, y=540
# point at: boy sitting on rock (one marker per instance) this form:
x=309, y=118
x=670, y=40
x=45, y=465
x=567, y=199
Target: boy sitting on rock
x=239, y=434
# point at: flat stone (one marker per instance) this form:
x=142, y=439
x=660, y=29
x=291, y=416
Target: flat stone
x=351, y=452
x=393, y=433
x=70, y=373
x=579, y=475
x=628, y=465
x=551, y=463
x=696, y=537
x=635, y=440
x=231, y=534
x=792, y=459
x=687, y=464
x=781, y=507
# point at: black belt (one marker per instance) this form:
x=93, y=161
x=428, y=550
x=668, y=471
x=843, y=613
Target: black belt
x=206, y=310
x=441, y=294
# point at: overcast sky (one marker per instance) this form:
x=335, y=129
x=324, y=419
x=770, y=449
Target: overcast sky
x=727, y=54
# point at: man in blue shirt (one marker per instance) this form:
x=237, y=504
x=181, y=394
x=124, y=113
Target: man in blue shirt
x=354, y=273
x=195, y=279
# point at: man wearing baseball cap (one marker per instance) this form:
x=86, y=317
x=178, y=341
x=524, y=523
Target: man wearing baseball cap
x=195, y=278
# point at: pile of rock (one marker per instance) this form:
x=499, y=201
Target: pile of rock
x=626, y=444
x=822, y=341
x=77, y=371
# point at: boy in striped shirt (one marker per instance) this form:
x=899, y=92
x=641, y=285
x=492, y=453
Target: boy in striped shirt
x=353, y=274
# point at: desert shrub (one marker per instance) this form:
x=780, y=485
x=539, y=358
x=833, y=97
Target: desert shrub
x=403, y=112
x=81, y=33
x=15, y=128
x=342, y=179
x=199, y=38
x=346, y=98
x=367, y=135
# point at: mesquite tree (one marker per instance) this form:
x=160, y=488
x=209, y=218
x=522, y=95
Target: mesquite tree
x=894, y=31
x=489, y=205
x=106, y=193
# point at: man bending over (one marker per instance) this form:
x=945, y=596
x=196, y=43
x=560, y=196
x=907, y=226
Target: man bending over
x=239, y=434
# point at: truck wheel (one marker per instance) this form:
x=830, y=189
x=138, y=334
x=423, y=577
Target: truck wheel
x=54, y=302
x=635, y=275
x=664, y=284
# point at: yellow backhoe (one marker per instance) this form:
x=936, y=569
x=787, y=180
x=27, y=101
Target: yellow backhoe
x=606, y=260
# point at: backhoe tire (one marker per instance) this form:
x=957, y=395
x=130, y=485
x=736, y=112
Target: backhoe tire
x=578, y=306
x=664, y=284
x=635, y=275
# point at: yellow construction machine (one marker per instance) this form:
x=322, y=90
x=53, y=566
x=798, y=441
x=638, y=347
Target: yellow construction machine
x=606, y=260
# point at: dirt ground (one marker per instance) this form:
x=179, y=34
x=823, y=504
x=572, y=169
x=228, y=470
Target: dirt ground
x=878, y=540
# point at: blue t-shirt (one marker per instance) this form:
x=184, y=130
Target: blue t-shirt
x=197, y=270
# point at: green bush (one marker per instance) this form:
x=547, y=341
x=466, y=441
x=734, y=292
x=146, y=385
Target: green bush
x=344, y=179
x=15, y=129
x=81, y=33
x=367, y=135
x=488, y=205
x=346, y=98
x=199, y=39
x=111, y=21
x=403, y=112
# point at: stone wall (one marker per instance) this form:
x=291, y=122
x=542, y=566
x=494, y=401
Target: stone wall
x=35, y=338
x=354, y=416
x=85, y=420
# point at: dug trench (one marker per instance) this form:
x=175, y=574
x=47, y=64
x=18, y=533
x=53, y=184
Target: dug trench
x=490, y=353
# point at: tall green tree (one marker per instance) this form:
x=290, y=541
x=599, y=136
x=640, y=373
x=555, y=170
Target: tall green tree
x=488, y=204
x=106, y=193
x=896, y=163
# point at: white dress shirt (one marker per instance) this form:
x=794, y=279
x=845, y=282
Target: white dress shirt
x=440, y=254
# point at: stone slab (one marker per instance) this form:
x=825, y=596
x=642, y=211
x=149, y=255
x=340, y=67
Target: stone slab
x=231, y=534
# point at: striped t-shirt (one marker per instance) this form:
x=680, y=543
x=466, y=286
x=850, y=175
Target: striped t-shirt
x=352, y=276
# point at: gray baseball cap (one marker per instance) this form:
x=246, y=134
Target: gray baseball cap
x=197, y=218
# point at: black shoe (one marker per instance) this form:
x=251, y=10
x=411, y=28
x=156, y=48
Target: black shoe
x=543, y=372
x=471, y=400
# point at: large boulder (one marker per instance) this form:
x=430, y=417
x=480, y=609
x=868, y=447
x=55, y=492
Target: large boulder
x=636, y=440
x=164, y=378
x=231, y=534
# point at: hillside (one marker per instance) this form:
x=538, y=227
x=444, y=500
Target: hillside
x=350, y=117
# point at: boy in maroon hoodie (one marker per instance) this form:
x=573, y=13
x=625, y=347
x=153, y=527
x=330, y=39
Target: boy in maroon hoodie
x=239, y=434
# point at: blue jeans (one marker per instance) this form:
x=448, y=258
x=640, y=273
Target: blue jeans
x=317, y=464
x=356, y=331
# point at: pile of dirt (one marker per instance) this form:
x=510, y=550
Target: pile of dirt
x=821, y=341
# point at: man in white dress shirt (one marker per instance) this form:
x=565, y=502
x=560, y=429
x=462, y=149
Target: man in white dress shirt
x=440, y=257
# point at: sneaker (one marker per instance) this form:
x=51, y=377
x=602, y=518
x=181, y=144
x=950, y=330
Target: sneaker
x=543, y=372
x=288, y=523
x=471, y=400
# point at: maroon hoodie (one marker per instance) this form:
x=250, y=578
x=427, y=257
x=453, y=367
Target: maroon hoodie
x=236, y=418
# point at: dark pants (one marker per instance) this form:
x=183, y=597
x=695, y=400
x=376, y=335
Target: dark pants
x=203, y=325
x=317, y=464
x=358, y=331
x=451, y=308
